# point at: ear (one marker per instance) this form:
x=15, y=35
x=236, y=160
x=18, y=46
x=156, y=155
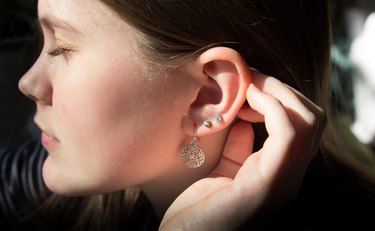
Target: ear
x=224, y=78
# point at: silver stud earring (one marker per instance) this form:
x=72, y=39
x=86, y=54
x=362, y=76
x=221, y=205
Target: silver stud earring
x=207, y=124
x=192, y=155
x=219, y=119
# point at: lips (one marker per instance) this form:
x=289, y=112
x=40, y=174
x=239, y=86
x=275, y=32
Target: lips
x=47, y=139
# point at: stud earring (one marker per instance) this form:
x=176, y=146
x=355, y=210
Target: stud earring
x=207, y=124
x=192, y=155
x=219, y=119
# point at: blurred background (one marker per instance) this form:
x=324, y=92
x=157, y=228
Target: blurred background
x=353, y=76
x=353, y=57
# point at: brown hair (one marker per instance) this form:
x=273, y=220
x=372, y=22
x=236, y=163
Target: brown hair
x=287, y=39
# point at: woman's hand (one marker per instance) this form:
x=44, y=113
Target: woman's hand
x=245, y=183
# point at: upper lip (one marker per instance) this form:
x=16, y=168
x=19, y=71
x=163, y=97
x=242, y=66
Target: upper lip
x=45, y=130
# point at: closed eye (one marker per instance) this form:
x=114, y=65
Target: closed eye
x=59, y=51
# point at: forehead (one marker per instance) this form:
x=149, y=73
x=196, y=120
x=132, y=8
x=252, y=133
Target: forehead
x=82, y=15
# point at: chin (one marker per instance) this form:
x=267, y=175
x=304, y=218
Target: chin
x=70, y=189
x=62, y=184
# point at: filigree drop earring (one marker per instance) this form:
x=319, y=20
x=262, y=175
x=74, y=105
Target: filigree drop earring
x=191, y=154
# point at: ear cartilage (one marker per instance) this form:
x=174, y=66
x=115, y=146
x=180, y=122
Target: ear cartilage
x=207, y=124
x=219, y=119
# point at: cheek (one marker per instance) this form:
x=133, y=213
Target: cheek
x=110, y=128
x=92, y=108
x=117, y=126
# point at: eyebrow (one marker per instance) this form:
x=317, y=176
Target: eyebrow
x=53, y=23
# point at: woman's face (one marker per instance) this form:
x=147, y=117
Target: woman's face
x=107, y=123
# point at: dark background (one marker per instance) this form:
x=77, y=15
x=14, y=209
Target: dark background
x=19, y=47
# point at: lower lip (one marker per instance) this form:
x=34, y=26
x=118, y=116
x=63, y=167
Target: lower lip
x=48, y=141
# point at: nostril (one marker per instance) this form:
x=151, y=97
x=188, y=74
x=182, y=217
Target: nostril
x=32, y=97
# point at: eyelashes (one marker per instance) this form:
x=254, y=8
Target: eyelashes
x=60, y=48
x=60, y=51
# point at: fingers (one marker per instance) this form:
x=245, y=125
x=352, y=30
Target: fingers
x=307, y=118
x=294, y=124
x=238, y=147
x=286, y=96
x=246, y=113
x=277, y=147
x=320, y=116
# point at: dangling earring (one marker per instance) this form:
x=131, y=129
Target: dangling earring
x=192, y=155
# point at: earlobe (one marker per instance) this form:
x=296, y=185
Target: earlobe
x=222, y=91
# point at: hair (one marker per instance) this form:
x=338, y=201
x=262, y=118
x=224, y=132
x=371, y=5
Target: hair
x=288, y=39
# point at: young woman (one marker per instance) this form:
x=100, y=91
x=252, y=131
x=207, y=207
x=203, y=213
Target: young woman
x=169, y=97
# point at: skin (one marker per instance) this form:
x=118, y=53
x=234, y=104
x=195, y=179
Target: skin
x=99, y=105
x=249, y=186
x=109, y=123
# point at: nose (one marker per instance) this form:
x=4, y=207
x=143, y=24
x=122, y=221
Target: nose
x=36, y=85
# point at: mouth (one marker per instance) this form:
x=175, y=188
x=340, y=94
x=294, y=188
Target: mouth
x=48, y=140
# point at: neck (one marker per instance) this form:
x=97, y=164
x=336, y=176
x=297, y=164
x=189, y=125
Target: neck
x=163, y=190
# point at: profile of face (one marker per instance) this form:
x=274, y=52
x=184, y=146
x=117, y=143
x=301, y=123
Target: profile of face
x=109, y=118
x=107, y=122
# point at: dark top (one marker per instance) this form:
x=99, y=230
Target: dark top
x=22, y=186
x=23, y=190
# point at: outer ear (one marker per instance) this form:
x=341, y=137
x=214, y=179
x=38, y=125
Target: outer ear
x=225, y=77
